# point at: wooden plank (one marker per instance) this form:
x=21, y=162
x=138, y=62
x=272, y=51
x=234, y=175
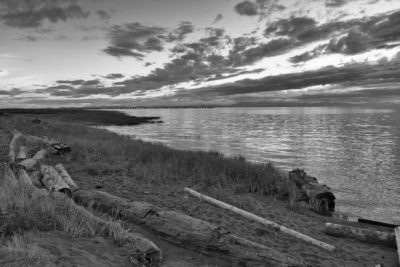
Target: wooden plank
x=361, y=234
x=261, y=220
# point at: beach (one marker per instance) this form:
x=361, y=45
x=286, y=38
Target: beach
x=140, y=171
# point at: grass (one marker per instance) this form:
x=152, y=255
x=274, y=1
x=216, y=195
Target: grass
x=101, y=117
x=99, y=152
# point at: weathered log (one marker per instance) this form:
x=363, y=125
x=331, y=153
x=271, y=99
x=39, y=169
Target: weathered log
x=7, y=176
x=360, y=234
x=184, y=230
x=22, y=153
x=55, y=146
x=263, y=221
x=65, y=176
x=319, y=197
x=22, y=176
x=397, y=234
x=36, y=177
x=31, y=162
x=142, y=250
x=52, y=180
x=13, y=144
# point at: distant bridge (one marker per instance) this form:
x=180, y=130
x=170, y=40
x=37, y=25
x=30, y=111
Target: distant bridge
x=151, y=107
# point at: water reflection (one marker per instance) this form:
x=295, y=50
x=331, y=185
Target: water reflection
x=355, y=151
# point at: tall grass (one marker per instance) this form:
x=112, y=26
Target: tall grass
x=105, y=153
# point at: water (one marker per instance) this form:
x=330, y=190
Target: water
x=355, y=151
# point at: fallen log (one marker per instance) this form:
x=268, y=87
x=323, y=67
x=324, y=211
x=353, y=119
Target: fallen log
x=184, y=230
x=397, y=233
x=22, y=176
x=36, y=178
x=52, y=180
x=30, y=163
x=7, y=176
x=319, y=197
x=22, y=153
x=55, y=146
x=263, y=221
x=141, y=249
x=13, y=144
x=360, y=234
x=65, y=176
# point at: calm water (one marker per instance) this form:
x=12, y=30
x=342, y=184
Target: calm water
x=354, y=151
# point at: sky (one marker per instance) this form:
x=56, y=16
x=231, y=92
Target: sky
x=57, y=53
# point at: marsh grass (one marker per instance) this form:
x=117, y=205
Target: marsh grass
x=100, y=152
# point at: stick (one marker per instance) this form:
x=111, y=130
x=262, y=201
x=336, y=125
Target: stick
x=397, y=233
x=364, y=235
x=256, y=218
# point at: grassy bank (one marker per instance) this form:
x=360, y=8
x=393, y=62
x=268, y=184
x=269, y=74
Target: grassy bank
x=81, y=115
x=98, y=152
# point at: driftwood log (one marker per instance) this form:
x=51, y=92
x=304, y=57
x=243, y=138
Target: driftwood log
x=22, y=153
x=13, y=143
x=263, y=221
x=184, y=230
x=52, y=180
x=54, y=146
x=30, y=163
x=397, y=234
x=65, y=176
x=144, y=251
x=360, y=234
x=23, y=178
x=319, y=197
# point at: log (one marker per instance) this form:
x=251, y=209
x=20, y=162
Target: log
x=143, y=250
x=65, y=176
x=22, y=176
x=56, y=147
x=52, y=180
x=184, y=230
x=397, y=234
x=261, y=220
x=360, y=234
x=13, y=144
x=319, y=197
x=22, y=153
x=7, y=175
x=36, y=178
x=30, y=163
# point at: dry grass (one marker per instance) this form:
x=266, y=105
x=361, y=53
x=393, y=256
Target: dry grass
x=105, y=153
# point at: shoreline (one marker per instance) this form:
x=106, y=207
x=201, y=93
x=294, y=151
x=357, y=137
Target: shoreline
x=156, y=174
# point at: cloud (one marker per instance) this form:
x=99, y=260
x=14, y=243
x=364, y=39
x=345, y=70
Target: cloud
x=217, y=18
x=294, y=26
x=31, y=14
x=71, y=82
x=335, y=3
x=12, y=92
x=262, y=50
x=113, y=76
x=246, y=8
x=103, y=15
x=354, y=42
x=180, y=33
x=134, y=39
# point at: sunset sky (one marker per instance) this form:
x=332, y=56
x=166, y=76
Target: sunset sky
x=191, y=52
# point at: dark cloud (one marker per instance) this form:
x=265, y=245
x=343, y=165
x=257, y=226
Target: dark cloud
x=103, y=14
x=12, y=92
x=71, y=82
x=354, y=42
x=134, y=39
x=246, y=8
x=335, y=3
x=254, y=54
x=32, y=13
x=180, y=33
x=113, y=76
x=217, y=18
x=294, y=26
